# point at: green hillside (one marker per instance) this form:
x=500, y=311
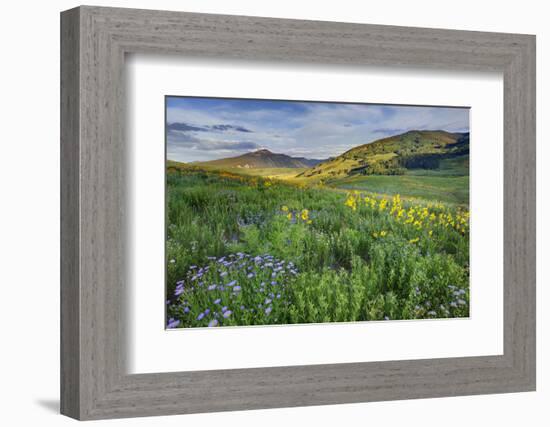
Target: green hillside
x=395, y=155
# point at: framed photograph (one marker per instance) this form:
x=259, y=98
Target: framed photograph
x=266, y=228
x=261, y=213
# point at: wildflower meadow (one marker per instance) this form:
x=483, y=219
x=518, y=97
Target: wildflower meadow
x=247, y=250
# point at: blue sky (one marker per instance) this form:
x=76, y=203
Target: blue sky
x=200, y=129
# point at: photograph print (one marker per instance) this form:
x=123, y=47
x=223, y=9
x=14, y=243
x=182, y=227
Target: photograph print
x=296, y=212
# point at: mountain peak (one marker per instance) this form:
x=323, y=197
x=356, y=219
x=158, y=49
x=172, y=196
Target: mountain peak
x=264, y=158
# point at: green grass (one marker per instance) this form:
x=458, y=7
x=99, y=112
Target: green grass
x=331, y=256
x=279, y=173
x=456, y=166
x=449, y=189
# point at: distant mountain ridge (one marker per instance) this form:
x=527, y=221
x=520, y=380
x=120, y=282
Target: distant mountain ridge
x=262, y=159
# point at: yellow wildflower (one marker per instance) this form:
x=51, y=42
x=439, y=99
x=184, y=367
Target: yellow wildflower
x=414, y=240
x=289, y=216
x=383, y=233
x=305, y=215
x=284, y=208
x=351, y=201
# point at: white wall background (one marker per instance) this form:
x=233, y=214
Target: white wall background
x=29, y=224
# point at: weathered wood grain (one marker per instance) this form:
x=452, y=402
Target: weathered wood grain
x=94, y=382
x=70, y=220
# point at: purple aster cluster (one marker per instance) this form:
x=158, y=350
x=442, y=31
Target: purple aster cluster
x=235, y=289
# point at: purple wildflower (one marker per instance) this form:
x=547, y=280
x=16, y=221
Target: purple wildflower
x=213, y=323
x=227, y=313
x=200, y=316
x=217, y=301
x=237, y=289
x=172, y=323
x=224, y=308
x=233, y=282
x=211, y=287
x=207, y=311
x=186, y=310
x=179, y=290
x=268, y=310
x=223, y=274
x=250, y=275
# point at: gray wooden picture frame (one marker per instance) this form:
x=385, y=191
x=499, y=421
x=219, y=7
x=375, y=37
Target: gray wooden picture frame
x=94, y=381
